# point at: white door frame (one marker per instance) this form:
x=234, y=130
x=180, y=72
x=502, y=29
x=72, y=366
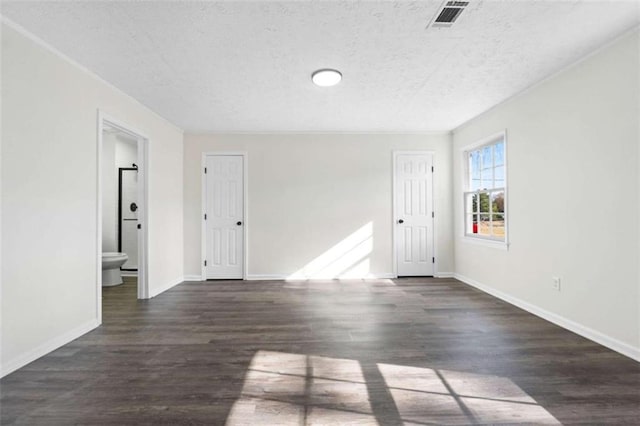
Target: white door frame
x=143, y=185
x=394, y=219
x=245, y=210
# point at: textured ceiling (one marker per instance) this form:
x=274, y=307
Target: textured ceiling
x=246, y=66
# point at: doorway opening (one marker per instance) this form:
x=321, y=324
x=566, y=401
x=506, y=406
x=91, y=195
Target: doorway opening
x=122, y=239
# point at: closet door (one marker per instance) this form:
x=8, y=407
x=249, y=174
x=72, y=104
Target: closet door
x=414, y=214
x=224, y=221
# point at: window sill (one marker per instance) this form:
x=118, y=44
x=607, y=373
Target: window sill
x=500, y=245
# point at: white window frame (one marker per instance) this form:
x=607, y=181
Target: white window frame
x=466, y=190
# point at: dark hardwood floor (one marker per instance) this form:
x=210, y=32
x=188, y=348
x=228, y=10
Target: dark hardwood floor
x=389, y=352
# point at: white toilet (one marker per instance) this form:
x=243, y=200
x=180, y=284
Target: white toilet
x=111, y=263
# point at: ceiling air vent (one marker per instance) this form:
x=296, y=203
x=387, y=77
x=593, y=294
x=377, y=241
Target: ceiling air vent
x=448, y=14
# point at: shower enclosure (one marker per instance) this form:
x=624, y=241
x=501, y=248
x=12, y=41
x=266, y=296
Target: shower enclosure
x=128, y=216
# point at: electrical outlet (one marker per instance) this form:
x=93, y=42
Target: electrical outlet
x=555, y=283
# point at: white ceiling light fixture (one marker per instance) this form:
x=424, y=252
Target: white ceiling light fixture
x=326, y=77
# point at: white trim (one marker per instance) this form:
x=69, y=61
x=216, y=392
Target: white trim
x=193, y=278
x=158, y=291
x=203, y=223
x=202, y=132
x=587, y=332
x=49, y=346
x=99, y=131
x=286, y=277
x=40, y=42
x=382, y=276
x=486, y=242
x=444, y=275
x=488, y=140
x=143, y=237
x=567, y=67
x=394, y=228
x=1, y=239
x=128, y=273
x=434, y=204
x=245, y=213
x=143, y=196
x=266, y=277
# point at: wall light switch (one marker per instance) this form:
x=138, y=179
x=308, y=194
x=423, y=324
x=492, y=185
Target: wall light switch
x=556, y=283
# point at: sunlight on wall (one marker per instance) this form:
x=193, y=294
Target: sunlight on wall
x=346, y=259
x=284, y=388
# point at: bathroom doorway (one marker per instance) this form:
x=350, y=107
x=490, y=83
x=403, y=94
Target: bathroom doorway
x=122, y=212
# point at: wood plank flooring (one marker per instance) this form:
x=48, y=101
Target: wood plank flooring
x=388, y=352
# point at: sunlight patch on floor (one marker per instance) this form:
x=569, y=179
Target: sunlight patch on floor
x=293, y=389
x=426, y=395
x=304, y=389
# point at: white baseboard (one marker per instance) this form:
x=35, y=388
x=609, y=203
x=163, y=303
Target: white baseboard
x=444, y=275
x=384, y=276
x=587, y=332
x=265, y=277
x=128, y=273
x=287, y=277
x=193, y=277
x=155, y=292
x=49, y=346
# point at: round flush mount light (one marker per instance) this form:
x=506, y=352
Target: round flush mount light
x=326, y=77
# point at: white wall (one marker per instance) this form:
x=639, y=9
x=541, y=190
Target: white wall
x=126, y=152
x=307, y=193
x=49, y=197
x=572, y=198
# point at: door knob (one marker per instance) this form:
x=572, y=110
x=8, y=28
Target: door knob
x=239, y=223
x=401, y=221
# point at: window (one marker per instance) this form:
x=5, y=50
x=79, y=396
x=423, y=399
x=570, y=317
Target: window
x=484, y=198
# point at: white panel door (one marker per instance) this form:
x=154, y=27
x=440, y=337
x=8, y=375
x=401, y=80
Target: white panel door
x=224, y=221
x=414, y=214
